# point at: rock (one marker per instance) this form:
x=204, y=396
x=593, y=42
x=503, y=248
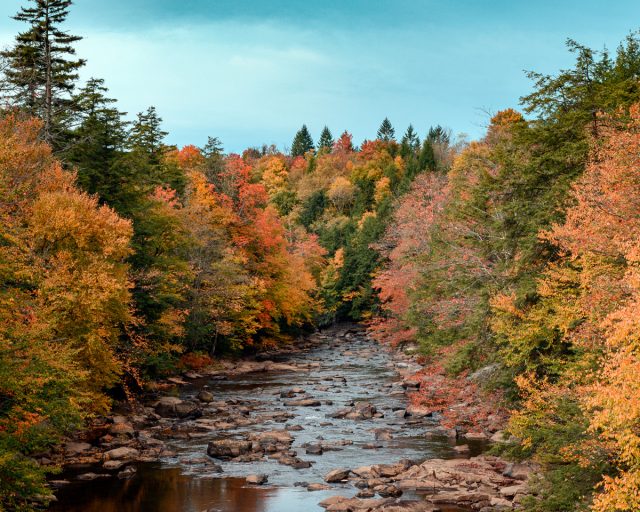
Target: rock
x=518, y=471
x=305, y=402
x=393, y=470
x=318, y=487
x=177, y=380
x=476, y=436
x=366, y=472
x=122, y=453
x=411, y=384
x=127, y=472
x=295, y=428
x=382, y=434
x=388, y=491
x=501, y=502
x=113, y=465
x=118, y=429
x=272, y=437
x=511, y=490
x=333, y=500
x=337, y=475
x=314, y=449
x=365, y=493
x=301, y=464
x=484, y=374
x=187, y=409
x=59, y=483
x=87, y=477
x=499, y=437
x=462, y=448
x=228, y=448
x=72, y=449
x=419, y=411
x=365, y=410
x=166, y=406
x=205, y=396
x=260, y=479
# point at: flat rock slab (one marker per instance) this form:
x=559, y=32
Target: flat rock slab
x=305, y=402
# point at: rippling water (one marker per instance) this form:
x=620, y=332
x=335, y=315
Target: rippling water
x=348, y=370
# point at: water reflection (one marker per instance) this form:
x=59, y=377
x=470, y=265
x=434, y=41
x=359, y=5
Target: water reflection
x=163, y=490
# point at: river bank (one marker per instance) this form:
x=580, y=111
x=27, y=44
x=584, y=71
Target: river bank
x=327, y=423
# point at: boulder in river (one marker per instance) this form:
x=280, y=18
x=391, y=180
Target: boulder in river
x=337, y=475
x=166, y=406
x=304, y=402
x=122, y=453
x=205, y=396
x=228, y=448
x=260, y=479
x=72, y=449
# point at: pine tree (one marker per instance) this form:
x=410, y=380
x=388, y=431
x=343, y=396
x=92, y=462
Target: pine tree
x=326, y=140
x=427, y=158
x=386, y=132
x=213, y=147
x=147, y=135
x=42, y=68
x=439, y=135
x=98, y=140
x=302, y=142
x=410, y=142
x=213, y=153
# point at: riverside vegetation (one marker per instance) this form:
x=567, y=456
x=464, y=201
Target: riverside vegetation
x=509, y=263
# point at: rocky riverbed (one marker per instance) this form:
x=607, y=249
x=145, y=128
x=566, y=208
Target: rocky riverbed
x=326, y=426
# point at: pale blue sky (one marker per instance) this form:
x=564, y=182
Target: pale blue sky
x=251, y=72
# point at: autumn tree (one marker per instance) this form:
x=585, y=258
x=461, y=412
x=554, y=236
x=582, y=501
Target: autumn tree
x=64, y=300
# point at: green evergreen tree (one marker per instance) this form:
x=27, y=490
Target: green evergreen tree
x=386, y=132
x=326, y=140
x=42, y=68
x=98, y=141
x=427, y=158
x=410, y=142
x=439, y=135
x=147, y=135
x=302, y=142
x=213, y=152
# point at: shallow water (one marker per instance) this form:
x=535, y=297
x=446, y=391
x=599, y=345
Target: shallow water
x=351, y=369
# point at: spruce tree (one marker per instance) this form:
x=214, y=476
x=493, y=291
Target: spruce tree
x=386, y=131
x=98, y=140
x=42, y=69
x=147, y=135
x=427, y=158
x=302, y=142
x=410, y=142
x=326, y=139
x=439, y=135
x=213, y=152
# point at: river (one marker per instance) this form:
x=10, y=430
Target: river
x=344, y=368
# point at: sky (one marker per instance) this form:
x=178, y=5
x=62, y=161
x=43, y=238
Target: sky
x=251, y=72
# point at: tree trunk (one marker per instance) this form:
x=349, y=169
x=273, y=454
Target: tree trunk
x=48, y=90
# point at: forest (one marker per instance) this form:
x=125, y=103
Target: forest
x=124, y=260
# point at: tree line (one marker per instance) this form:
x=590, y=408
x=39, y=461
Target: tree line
x=521, y=260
